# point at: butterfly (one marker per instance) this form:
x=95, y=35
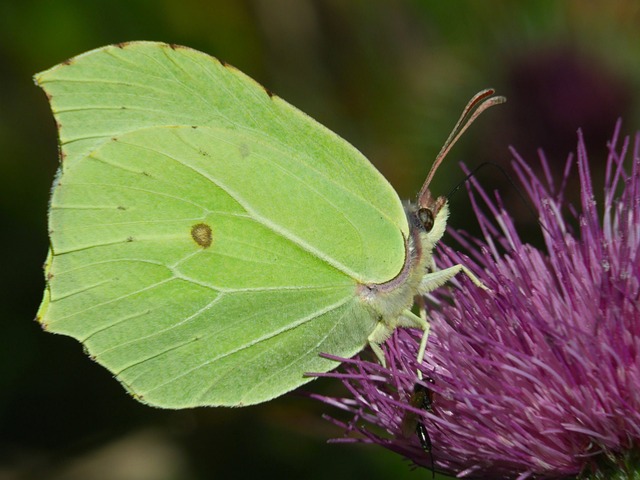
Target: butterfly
x=208, y=240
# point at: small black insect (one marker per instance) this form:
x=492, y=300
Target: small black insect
x=413, y=424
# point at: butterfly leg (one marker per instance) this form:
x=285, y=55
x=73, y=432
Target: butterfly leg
x=411, y=320
x=437, y=278
x=425, y=335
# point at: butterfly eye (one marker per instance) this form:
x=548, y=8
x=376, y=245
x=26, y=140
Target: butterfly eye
x=425, y=215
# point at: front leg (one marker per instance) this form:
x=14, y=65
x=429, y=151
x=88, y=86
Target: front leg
x=437, y=278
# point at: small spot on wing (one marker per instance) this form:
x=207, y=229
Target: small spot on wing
x=202, y=235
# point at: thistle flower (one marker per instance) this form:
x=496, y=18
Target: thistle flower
x=541, y=377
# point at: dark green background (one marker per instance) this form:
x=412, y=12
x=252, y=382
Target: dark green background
x=391, y=77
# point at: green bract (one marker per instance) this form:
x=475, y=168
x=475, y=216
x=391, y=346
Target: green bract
x=209, y=240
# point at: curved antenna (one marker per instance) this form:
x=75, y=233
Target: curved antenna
x=478, y=104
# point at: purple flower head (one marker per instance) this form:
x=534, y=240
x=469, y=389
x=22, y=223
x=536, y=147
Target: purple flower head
x=541, y=377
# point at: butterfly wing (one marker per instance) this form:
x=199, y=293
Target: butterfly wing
x=207, y=238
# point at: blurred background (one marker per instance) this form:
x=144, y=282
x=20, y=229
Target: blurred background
x=390, y=77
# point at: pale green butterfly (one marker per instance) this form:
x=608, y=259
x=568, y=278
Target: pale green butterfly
x=209, y=240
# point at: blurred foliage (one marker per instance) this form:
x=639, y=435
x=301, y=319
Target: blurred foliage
x=391, y=77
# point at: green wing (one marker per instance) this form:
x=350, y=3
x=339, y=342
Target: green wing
x=207, y=238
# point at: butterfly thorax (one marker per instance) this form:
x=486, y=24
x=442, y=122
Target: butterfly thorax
x=427, y=223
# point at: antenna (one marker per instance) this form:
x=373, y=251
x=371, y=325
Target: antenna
x=478, y=104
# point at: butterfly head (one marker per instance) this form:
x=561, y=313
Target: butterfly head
x=431, y=215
